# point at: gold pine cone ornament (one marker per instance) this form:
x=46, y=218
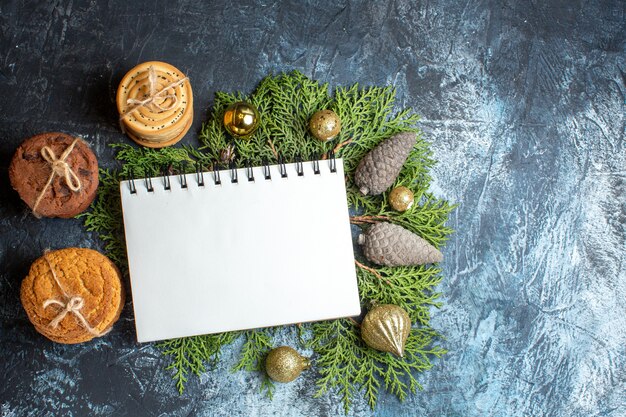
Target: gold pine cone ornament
x=284, y=364
x=386, y=328
x=241, y=119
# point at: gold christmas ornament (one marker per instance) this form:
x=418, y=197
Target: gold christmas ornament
x=325, y=125
x=284, y=364
x=241, y=119
x=401, y=198
x=386, y=328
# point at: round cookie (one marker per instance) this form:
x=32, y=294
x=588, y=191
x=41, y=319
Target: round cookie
x=169, y=142
x=85, y=276
x=163, y=121
x=30, y=172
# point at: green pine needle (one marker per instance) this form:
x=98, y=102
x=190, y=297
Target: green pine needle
x=192, y=354
x=255, y=348
x=286, y=102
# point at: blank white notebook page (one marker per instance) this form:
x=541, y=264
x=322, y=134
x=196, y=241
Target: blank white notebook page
x=215, y=258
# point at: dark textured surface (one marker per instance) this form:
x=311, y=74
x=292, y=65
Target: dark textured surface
x=524, y=104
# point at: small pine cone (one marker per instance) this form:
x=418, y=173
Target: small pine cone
x=378, y=170
x=392, y=245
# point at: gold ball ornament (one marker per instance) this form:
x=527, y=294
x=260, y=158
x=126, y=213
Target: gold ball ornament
x=241, y=119
x=401, y=198
x=325, y=125
x=386, y=328
x=284, y=364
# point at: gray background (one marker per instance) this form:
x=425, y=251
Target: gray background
x=523, y=102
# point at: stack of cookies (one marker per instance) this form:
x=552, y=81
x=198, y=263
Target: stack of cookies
x=73, y=295
x=55, y=174
x=155, y=103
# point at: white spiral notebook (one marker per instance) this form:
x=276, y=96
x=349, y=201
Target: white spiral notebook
x=239, y=249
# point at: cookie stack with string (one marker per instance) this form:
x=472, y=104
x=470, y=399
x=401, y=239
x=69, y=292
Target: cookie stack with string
x=155, y=103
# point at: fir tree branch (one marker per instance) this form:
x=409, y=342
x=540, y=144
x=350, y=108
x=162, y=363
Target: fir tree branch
x=368, y=269
x=368, y=219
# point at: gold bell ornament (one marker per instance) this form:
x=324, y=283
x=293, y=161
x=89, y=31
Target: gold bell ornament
x=325, y=125
x=401, y=198
x=386, y=328
x=241, y=119
x=284, y=364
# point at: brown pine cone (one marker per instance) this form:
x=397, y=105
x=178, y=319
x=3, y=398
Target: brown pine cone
x=392, y=245
x=378, y=170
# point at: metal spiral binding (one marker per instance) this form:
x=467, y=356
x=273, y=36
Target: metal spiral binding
x=234, y=176
x=316, y=163
x=182, y=176
x=199, y=174
x=233, y=172
x=332, y=161
x=216, y=174
x=299, y=167
x=266, y=169
x=281, y=167
x=131, y=183
x=149, y=186
x=167, y=185
x=249, y=171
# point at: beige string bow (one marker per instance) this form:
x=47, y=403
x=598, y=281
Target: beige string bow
x=151, y=100
x=71, y=305
x=61, y=168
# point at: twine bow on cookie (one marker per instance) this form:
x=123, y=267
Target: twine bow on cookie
x=61, y=168
x=154, y=96
x=71, y=305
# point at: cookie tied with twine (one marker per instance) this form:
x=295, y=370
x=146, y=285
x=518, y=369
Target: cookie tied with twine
x=155, y=103
x=73, y=295
x=55, y=174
